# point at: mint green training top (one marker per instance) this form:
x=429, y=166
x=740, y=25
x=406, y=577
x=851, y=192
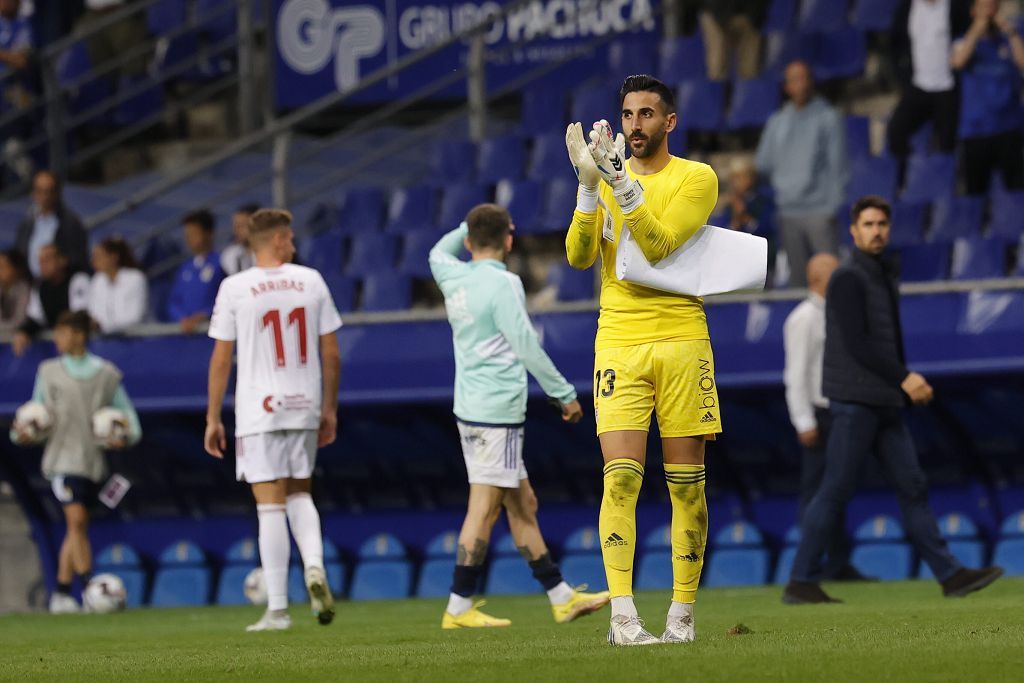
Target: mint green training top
x=495, y=342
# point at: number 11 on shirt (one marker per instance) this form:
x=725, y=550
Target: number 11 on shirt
x=297, y=317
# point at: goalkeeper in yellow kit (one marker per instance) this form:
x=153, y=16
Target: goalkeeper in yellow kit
x=652, y=351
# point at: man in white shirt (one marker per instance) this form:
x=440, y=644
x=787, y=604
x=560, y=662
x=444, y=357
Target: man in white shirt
x=237, y=256
x=285, y=407
x=803, y=335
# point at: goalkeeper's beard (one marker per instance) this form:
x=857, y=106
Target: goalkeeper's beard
x=648, y=145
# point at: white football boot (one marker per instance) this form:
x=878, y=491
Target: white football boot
x=278, y=620
x=679, y=629
x=62, y=603
x=320, y=597
x=625, y=630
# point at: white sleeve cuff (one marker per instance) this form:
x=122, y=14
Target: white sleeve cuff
x=630, y=196
x=586, y=199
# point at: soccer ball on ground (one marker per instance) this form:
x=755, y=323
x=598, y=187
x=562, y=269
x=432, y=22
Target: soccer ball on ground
x=110, y=426
x=255, y=588
x=104, y=594
x=34, y=422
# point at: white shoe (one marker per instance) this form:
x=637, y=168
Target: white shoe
x=679, y=629
x=320, y=597
x=62, y=603
x=625, y=630
x=271, y=621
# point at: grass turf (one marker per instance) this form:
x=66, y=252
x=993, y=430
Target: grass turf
x=884, y=632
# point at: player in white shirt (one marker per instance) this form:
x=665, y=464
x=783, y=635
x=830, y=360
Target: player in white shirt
x=284, y=321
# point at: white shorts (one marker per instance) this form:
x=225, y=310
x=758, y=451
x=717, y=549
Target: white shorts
x=494, y=454
x=285, y=454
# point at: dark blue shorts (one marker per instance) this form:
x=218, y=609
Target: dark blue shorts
x=70, y=488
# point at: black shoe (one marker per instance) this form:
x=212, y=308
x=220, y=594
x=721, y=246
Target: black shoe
x=969, y=580
x=851, y=573
x=800, y=593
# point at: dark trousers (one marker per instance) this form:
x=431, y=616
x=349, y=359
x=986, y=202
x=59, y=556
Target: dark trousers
x=981, y=156
x=812, y=471
x=859, y=431
x=916, y=108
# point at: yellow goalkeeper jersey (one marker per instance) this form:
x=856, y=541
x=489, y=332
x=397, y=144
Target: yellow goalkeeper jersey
x=677, y=201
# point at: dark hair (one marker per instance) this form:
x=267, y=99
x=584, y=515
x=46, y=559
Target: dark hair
x=118, y=247
x=202, y=217
x=645, y=83
x=266, y=220
x=19, y=264
x=248, y=209
x=78, y=321
x=489, y=225
x=869, y=201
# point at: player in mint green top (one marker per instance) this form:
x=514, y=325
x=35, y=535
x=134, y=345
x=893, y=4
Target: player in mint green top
x=495, y=345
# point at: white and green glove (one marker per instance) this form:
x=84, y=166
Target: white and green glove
x=609, y=155
x=583, y=164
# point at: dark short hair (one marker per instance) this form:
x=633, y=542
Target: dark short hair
x=248, y=209
x=202, y=217
x=645, y=83
x=78, y=321
x=18, y=263
x=266, y=220
x=489, y=225
x=870, y=201
x=119, y=247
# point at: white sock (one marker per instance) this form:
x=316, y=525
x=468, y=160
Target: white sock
x=560, y=594
x=274, y=551
x=458, y=605
x=305, y=523
x=624, y=607
x=679, y=609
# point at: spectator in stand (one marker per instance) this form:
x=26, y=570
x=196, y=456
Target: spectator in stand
x=990, y=58
x=237, y=256
x=51, y=221
x=748, y=206
x=195, y=285
x=58, y=289
x=16, y=43
x=121, y=37
x=922, y=37
x=15, y=290
x=732, y=27
x=803, y=152
x=118, y=292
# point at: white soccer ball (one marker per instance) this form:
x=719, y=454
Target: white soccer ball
x=109, y=426
x=34, y=421
x=255, y=587
x=104, y=594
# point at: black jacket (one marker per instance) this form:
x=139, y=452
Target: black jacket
x=959, y=22
x=864, y=360
x=71, y=239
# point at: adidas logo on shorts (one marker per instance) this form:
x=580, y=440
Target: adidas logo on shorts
x=708, y=417
x=614, y=540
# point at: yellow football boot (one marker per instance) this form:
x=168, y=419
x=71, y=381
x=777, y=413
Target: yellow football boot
x=580, y=605
x=473, y=618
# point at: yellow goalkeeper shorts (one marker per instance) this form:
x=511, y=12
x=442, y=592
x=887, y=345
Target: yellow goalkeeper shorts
x=674, y=378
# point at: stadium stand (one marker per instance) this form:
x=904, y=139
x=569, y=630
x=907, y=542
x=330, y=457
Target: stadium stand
x=1009, y=551
x=964, y=541
x=881, y=549
x=581, y=560
x=739, y=557
x=654, y=571
x=182, y=577
x=383, y=571
x=240, y=559
x=509, y=574
x=435, y=576
x=123, y=562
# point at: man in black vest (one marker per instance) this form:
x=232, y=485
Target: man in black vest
x=867, y=383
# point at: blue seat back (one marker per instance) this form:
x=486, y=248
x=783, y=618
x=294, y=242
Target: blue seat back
x=231, y=584
x=753, y=101
x=412, y=207
x=559, y=204
x=737, y=567
x=887, y=561
x=739, y=534
x=588, y=569
x=457, y=200
x=681, y=59
x=454, y=160
x=874, y=175
x=922, y=262
x=793, y=535
x=243, y=551
x=444, y=545
x=117, y=555
x=386, y=292
x=181, y=586
x=655, y=570
x=342, y=289
x=435, y=578
x=700, y=104
x=659, y=538
x=1013, y=525
x=781, y=14
x=1008, y=214
x=929, y=177
x=501, y=157
x=381, y=580
x=362, y=210
x=589, y=104
x=505, y=546
x=956, y=525
x=510, y=576
x=977, y=259
x=838, y=54
x=415, y=257
x=822, y=15
x=382, y=547
x=858, y=138
x=1009, y=554
x=784, y=566
x=182, y=553
x=879, y=528
x=631, y=56
x=134, y=581
x=571, y=283
x=372, y=252
x=970, y=553
x=955, y=217
x=585, y=540
x=524, y=200
x=908, y=221
x=874, y=15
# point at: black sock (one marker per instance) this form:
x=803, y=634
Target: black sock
x=466, y=579
x=64, y=588
x=546, y=571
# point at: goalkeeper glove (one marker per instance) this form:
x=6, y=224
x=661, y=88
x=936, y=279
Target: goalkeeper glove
x=583, y=164
x=609, y=154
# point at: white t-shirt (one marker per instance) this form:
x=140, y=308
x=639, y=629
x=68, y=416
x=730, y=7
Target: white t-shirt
x=120, y=303
x=930, y=41
x=276, y=316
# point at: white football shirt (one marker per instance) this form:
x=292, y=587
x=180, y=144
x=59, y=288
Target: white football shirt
x=276, y=317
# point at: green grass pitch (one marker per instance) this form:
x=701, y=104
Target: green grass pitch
x=884, y=632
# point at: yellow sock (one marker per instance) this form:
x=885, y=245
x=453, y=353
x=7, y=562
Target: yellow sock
x=689, y=528
x=617, y=523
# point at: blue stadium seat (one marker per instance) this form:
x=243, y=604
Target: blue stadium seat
x=908, y=221
x=231, y=584
x=164, y=16
x=784, y=566
x=361, y=211
x=444, y=545
x=123, y=561
x=386, y=292
x=783, y=47
x=924, y=262
x=1009, y=554
x=1013, y=525
x=382, y=547
x=524, y=201
x=381, y=580
x=700, y=105
x=1007, y=215
x=858, y=138
x=659, y=538
x=655, y=570
x=416, y=246
x=243, y=550
x=875, y=175
x=343, y=290
x=540, y=105
x=454, y=160
x=962, y=535
x=559, y=205
x=548, y=161
x=631, y=56
x=501, y=157
x=505, y=547
x=838, y=54
x=880, y=549
x=874, y=15
x=977, y=259
x=570, y=283
x=435, y=580
x=324, y=252
x=143, y=100
x=581, y=541
x=739, y=558
x=591, y=103
x=510, y=576
x=371, y=252
x=793, y=535
x=585, y=569
x=182, y=578
x=457, y=200
x=73, y=73
x=780, y=16
x=753, y=101
x=412, y=208
x=956, y=217
x=681, y=59
x=929, y=177
x=822, y=15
